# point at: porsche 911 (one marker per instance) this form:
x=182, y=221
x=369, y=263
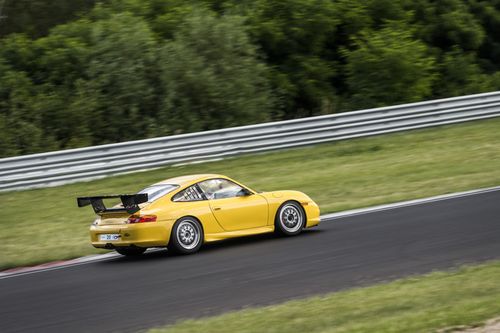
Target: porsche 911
x=185, y=212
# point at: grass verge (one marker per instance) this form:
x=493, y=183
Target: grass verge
x=45, y=224
x=427, y=303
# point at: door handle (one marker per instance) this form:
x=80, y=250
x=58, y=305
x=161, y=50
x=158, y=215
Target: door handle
x=217, y=208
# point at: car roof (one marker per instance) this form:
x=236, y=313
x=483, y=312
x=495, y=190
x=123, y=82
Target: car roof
x=189, y=179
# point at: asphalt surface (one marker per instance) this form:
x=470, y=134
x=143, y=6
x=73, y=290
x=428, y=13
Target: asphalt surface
x=131, y=295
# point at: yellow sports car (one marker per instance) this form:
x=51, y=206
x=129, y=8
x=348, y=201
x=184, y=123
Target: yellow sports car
x=184, y=212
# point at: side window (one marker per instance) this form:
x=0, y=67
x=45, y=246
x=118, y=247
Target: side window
x=219, y=188
x=192, y=193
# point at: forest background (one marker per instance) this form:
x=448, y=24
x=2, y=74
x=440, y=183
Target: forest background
x=84, y=72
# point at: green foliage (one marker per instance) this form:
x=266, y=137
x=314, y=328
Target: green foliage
x=212, y=77
x=293, y=34
x=462, y=76
x=61, y=62
x=19, y=120
x=84, y=72
x=488, y=13
x=36, y=17
x=388, y=67
x=448, y=23
x=17, y=50
x=118, y=93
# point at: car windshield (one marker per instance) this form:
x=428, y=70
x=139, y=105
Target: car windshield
x=157, y=191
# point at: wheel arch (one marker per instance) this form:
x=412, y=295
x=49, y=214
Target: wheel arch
x=278, y=226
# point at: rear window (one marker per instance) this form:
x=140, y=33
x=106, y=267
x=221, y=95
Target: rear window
x=157, y=191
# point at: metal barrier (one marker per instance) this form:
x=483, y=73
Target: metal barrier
x=60, y=167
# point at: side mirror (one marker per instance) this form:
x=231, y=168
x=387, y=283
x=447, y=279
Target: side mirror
x=243, y=193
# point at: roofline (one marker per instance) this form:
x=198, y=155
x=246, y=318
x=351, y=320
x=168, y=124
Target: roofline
x=191, y=180
x=198, y=178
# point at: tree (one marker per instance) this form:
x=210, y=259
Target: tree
x=212, y=76
x=19, y=121
x=446, y=24
x=130, y=69
x=388, y=67
x=18, y=53
x=294, y=35
x=37, y=17
x=488, y=14
x=8, y=146
x=118, y=95
x=461, y=75
x=62, y=61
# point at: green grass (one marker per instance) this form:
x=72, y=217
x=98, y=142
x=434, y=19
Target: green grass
x=45, y=224
x=427, y=303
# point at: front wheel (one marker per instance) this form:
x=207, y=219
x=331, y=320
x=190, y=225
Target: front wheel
x=130, y=251
x=290, y=219
x=187, y=236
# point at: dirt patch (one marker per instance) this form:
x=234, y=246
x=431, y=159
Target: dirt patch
x=491, y=326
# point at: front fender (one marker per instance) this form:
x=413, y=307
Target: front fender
x=277, y=198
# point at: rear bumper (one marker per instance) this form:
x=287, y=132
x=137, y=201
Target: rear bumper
x=154, y=234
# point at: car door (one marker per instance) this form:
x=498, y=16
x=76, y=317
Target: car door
x=235, y=207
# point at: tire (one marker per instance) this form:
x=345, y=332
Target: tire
x=130, y=251
x=187, y=236
x=290, y=219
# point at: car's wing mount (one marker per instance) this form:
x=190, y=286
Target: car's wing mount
x=130, y=203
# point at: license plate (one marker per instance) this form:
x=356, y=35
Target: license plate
x=109, y=237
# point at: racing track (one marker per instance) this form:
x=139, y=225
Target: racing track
x=130, y=295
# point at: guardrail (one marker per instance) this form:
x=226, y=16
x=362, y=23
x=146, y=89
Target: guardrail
x=60, y=167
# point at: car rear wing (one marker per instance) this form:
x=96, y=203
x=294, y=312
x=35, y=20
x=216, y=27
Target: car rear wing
x=130, y=203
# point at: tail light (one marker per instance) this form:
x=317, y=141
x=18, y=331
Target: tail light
x=141, y=218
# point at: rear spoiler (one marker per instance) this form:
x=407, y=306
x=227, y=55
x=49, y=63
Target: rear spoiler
x=130, y=203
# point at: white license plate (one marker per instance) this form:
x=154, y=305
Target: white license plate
x=109, y=237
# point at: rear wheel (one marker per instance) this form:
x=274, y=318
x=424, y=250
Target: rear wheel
x=187, y=236
x=290, y=219
x=130, y=251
